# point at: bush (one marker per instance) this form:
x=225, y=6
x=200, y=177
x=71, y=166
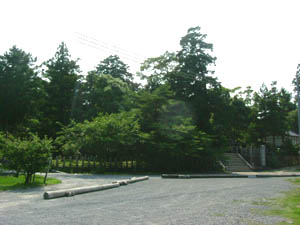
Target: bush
x=112, y=135
x=2, y=144
x=30, y=155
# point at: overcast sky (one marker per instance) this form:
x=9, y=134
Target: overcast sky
x=254, y=41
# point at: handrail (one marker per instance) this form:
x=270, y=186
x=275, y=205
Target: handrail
x=222, y=164
x=245, y=161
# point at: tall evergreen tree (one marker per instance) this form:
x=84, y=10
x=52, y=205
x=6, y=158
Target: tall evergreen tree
x=20, y=89
x=113, y=66
x=63, y=76
x=103, y=93
x=187, y=72
x=270, y=112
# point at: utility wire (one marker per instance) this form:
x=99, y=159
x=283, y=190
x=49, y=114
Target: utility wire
x=114, y=47
x=91, y=42
x=107, y=51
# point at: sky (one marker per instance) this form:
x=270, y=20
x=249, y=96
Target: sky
x=255, y=41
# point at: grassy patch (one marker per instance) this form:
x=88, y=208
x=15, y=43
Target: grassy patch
x=287, y=206
x=219, y=214
x=264, y=202
x=238, y=201
x=11, y=182
x=295, y=181
x=252, y=222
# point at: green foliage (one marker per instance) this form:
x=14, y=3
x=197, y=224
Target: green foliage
x=193, y=57
x=113, y=66
x=171, y=133
x=270, y=112
x=187, y=74
x=21, y=90
x=288, y=148
x=292, y=120
x=105, y=134
x=30, y=154
x=2, y=145
x=157, y=68
x=62, y=74
x=180, y=115
x=102, y=93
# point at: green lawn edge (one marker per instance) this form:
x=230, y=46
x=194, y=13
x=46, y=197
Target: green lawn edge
x=12, y=183
x=287, y=206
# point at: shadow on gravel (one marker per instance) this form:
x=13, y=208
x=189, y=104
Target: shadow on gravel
x=26, y=189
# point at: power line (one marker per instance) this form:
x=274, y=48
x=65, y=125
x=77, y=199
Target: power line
x=94, y=43
x=116, y=48
x=110, y=52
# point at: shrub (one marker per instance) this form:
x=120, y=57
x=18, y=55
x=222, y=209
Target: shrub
x=30, y=155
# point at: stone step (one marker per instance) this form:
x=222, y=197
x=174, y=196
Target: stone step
x=235, y=160
x=238, y=170
x=234, y=163
x=237, y=167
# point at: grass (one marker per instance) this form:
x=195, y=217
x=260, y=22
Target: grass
x=12, y=183
x=287, y=206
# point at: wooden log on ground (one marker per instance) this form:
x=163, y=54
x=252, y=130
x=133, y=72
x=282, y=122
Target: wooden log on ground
x=137, y=179
x=77, y=191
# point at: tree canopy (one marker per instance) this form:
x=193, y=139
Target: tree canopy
x=179, y=113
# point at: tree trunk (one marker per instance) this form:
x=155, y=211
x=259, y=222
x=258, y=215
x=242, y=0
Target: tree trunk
x=28, y=178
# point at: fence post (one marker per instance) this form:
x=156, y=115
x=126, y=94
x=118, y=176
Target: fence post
x=77, y=158
x=101, y=164
x=82, y=162
x=251, y=155
x=109, y=166
x=263, y=155
x=71, y=162
x=115, y=163
x=56, y=158
x=64, y=162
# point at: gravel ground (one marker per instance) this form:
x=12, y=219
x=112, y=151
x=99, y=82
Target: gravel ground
x=224, y=201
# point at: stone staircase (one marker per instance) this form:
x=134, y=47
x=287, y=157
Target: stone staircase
x=234, y=163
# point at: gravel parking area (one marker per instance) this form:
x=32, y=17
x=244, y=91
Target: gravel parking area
x=226, y=201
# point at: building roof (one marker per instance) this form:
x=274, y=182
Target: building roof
x=292, y=133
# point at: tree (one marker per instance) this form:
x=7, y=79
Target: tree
x=151, y=106
x=171, y=134
x=156, y=70
x=187, y=72
x=101, y=93
x=193, y=57
x=293, y=120
x=21, y=90
x=2, y=145
x=105, y=135
x=63, y=77
x=113, y=66
x=237, y=118
x=30, y=154
x=271, y=108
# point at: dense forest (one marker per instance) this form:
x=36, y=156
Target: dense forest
x=179, y=111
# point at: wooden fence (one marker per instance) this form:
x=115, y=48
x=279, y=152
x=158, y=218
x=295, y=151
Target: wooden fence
x=90, y=163
x=85, y=164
